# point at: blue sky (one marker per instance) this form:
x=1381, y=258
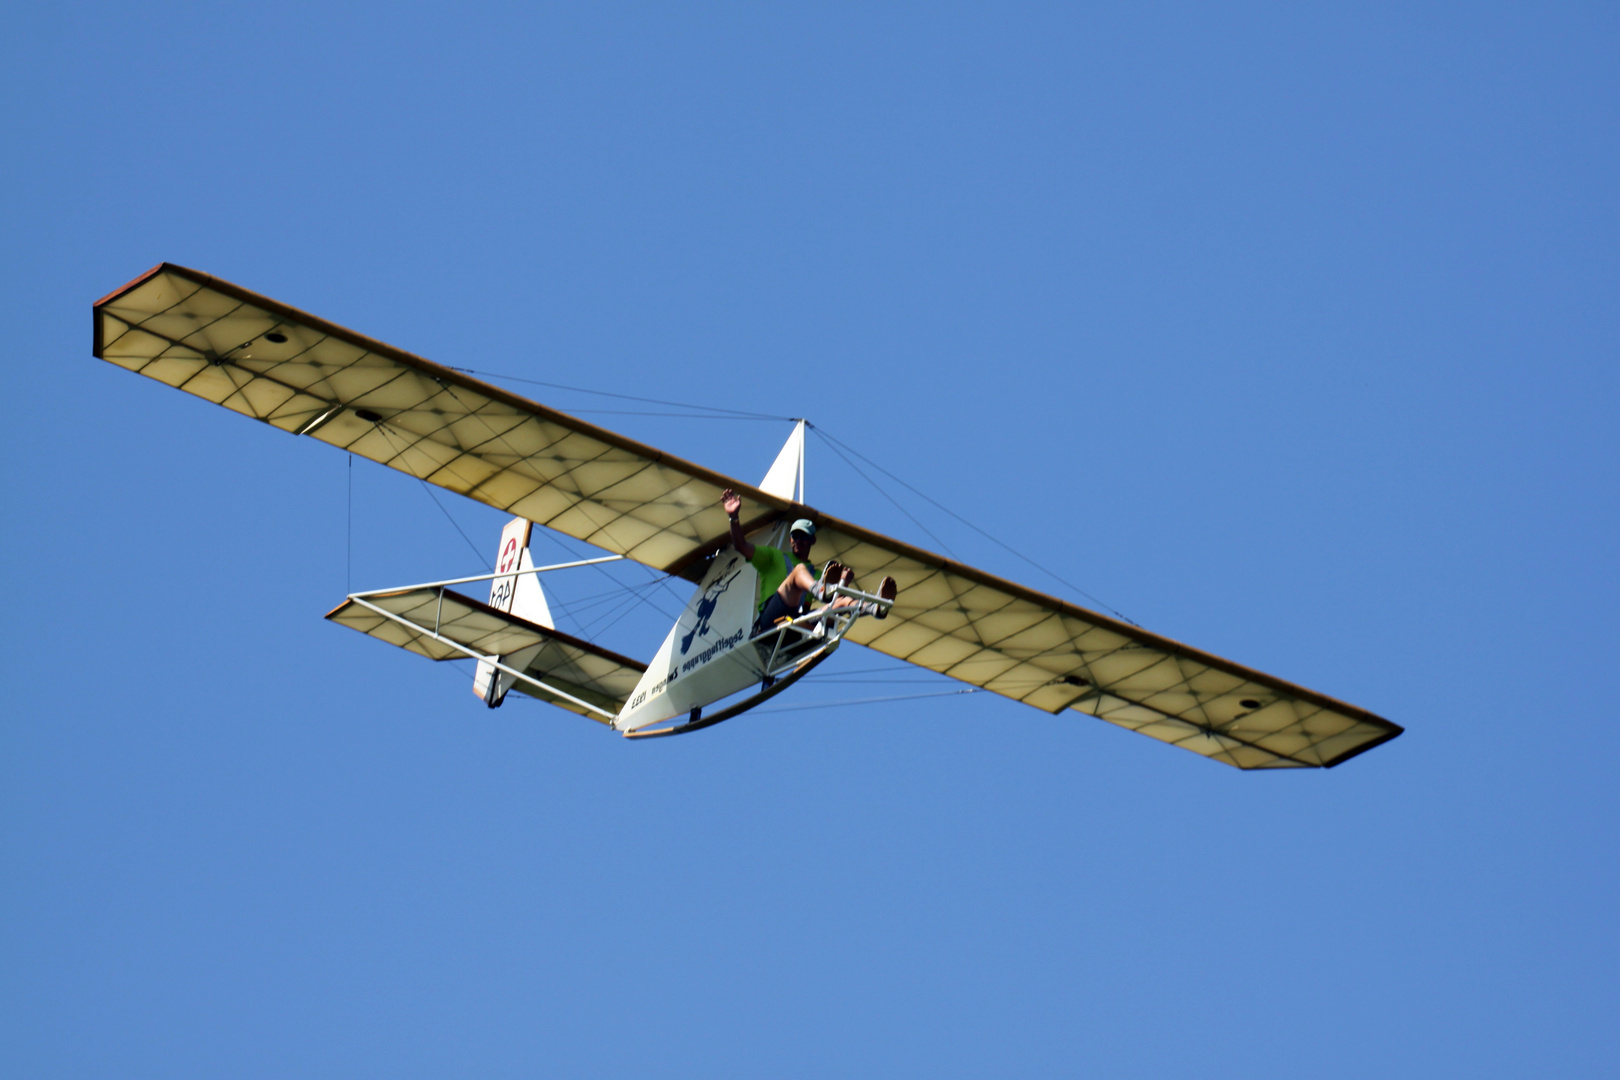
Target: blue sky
x=1289, y=332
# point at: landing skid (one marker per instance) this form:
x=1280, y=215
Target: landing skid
x=759, y=697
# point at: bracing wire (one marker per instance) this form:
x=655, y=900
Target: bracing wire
x=894, y=675
x=619, y=587
x=502, y=438
x=741, y=414
x=629, y=597
x=879, y=489
x=348, y=536
x=835, y=443
x=837, y=704
x=867, y=701
x=482, y=559
x=838, y=446
x=679, y=415
x=842, y=681
x=889, y=669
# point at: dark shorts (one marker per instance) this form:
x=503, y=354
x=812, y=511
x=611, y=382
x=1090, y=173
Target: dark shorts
x=775, y=608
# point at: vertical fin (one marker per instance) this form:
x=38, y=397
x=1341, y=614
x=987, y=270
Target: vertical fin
x=517, y=594
x=528, y=599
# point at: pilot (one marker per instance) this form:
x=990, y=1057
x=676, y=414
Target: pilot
x=786, y=577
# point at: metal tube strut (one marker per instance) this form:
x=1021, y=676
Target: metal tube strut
x=492, y=661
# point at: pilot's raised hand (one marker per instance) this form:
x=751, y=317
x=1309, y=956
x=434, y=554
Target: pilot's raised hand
x=733, y=503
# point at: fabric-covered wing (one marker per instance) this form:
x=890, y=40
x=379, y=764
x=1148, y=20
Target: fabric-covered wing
x=589, y=672
x=1055, y=656
x=305, y=375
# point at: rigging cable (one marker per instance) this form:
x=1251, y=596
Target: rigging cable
x=867, y=701
x=838, y=447
x=425, y=487
x=876, y=486
x=619, y=586
x=348, y=556
x=502, y=439
x=738, y=414
x=678, y=415
x=835, y=443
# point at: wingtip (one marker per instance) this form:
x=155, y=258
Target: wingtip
x=128, y=285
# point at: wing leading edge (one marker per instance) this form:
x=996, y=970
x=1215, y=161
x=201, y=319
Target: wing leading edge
x=305, y=375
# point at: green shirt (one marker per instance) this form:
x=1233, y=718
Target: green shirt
x=774, y=566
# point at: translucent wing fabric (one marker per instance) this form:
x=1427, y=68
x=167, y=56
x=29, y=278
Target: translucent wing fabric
x=1044, y=652
x=290, y=370
x=576, y=667
x=303, y=374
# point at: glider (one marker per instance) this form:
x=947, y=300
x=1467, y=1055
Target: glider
x=312, y=378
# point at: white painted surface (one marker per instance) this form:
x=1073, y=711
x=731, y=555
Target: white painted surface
x=516, y=594
x=706, y=656
x=786, y=476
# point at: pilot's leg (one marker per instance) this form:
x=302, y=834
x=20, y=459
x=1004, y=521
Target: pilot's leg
x=775, y=609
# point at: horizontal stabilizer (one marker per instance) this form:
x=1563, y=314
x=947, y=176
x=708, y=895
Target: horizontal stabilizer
x=433, y=622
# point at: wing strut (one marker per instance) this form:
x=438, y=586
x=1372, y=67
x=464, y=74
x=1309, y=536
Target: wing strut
x=492, y=660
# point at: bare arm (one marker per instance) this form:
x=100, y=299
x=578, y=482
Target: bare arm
x=732, y=503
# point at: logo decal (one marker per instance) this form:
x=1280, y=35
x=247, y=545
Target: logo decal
x=705, y=609
x=503, y=589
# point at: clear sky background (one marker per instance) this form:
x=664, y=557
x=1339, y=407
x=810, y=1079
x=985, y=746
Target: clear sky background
x=1289, y=331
